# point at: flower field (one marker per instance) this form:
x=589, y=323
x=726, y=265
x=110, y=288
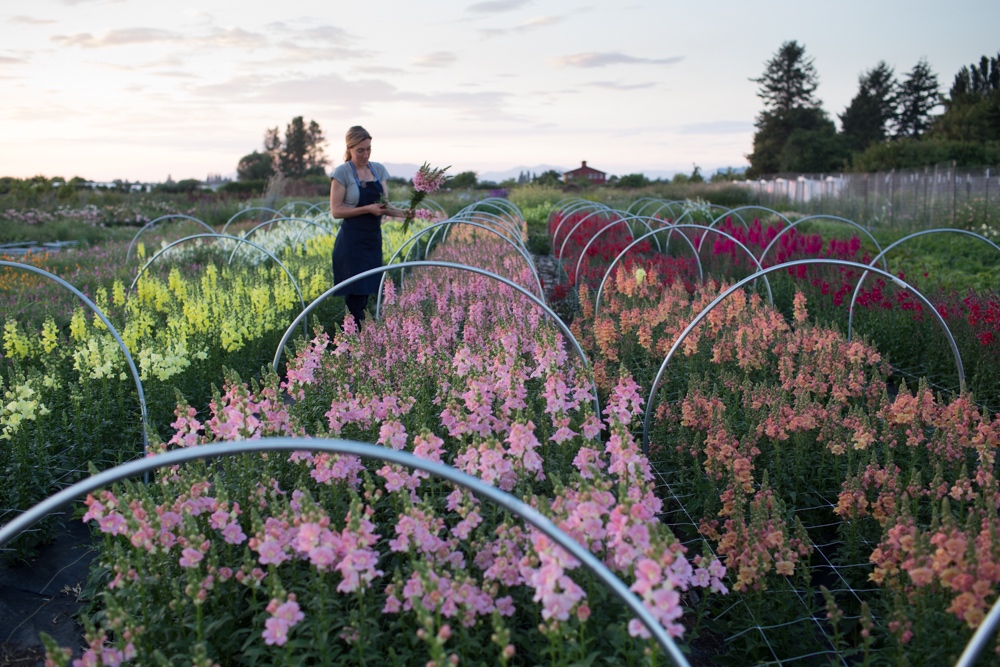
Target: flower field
x=785, y=495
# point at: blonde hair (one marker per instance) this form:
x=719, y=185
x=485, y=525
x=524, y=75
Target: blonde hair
x=355, y=136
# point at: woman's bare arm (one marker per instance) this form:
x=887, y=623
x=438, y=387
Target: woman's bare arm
x=340, y=210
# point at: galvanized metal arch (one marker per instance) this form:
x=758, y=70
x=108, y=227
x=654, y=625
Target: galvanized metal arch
x=558, y=206
x=572, y=209
x=247, y=210
x=334, y=227
x=729, y=212
x=668, y=205
x=857, y=288
x=431, y=204
x=500, y=202
x=701, y=275
x=701, y=245
x=149, y=224
x=319, y=207
x=271, y=222
x=110, y=327
x=621, y=255
x=569, y=234
x=524, y=254
x=366, y=451
x=753, y=207
x=445, y=228
x=574, y=206
x=778, y=267
x=981, y=637
x=500, y=211
x=583, y=253
x=580, y=207
x=224, y=236
x=816, y=217
x=689, y=214
x=645, y=201
x=294, y=204
x=504, y=223
x=445, y=265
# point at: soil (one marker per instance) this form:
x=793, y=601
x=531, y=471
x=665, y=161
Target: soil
x=42, y=595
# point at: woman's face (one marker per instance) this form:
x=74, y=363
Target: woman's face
x=361, y=152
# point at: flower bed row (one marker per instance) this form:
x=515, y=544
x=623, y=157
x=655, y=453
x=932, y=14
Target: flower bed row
x=317, y=558
x=69, y=400
x=778, y=443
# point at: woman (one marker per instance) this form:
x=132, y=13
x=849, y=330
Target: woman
x=357, y=190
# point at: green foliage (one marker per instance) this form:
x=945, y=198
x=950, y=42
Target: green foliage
x=912, y=154
x=775, y=130
x=869, y=115
x=255, y=166
x=972, y=110
x=789, y=80
x=632, y=181
x=814, y=151
x=550, y=179
x=178, y=187
x=254, y=186
x=918, y=96
x=465, y=179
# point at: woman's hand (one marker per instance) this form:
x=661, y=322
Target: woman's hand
x=374, y=209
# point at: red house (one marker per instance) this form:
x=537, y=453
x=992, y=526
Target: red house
x=585, y=173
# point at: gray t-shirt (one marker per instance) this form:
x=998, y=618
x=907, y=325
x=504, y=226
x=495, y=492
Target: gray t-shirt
x=345, y=175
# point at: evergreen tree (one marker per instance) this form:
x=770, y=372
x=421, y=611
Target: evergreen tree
x=972, y=108
x=299, y=154
x=787, y=88
x=872, y=112
x=918, y=96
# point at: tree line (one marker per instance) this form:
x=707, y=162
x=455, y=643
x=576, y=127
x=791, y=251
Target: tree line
x=889, y=123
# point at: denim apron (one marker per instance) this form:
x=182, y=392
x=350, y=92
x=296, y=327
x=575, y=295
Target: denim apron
x=358, y=247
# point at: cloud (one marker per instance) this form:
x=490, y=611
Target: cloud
x=615, y=85
x=530, y=24
x=717, y=127
x=435, y=59
x=121, y=37
x=379, y=69
x=495, y=6
x=595, y=59
x=6, y=60
x=296, y=53
x=334, y=92
x=80, y=2
x=30, y=20
x=233, y=37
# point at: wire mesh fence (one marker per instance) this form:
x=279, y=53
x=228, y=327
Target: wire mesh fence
x=938, y=196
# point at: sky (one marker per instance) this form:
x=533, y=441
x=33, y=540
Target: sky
x=143, y=90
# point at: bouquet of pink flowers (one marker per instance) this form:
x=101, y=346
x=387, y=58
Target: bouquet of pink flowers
x=427, y=179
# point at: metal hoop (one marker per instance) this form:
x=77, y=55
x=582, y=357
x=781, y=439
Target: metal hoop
x=271, y=222
x=445, y=265
x=857, y=289
x=111, y=328
x=247, y=210
x=583, y=253
x=362, y=450
x=149, y=224
x=573, y=209
x=436, y=226
x=224, y=236
x=816, y=217
x=777, y=267
x=607, y=274
x=569, y=234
